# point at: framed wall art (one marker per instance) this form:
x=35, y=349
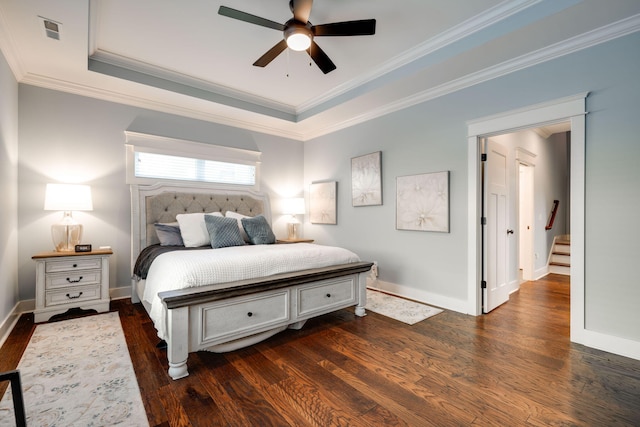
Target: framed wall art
x=422, y=202
x=366, y=180
x=322, y=202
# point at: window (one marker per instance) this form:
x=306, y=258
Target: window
x=151, y=158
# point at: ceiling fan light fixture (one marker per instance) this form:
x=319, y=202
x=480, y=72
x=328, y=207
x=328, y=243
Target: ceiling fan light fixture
x=298, y=36
x=299, y=40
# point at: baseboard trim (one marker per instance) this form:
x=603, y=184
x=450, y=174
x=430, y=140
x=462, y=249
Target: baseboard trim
x=419, y=296
x=7, y=325
x=609, y=343
x=120, y=293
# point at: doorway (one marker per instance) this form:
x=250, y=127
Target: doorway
x=526, y=173
x=570, y=109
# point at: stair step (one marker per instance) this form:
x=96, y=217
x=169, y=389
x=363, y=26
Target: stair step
x=560, y=264
x=560, y=269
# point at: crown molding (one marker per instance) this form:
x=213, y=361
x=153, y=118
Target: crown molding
x=258, y=123
x=592, y=38
x=459, y=32
x=228, y=118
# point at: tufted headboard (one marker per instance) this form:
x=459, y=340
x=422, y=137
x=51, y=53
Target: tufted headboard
x=163, y=201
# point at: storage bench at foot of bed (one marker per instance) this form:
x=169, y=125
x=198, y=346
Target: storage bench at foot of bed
x=246, y=312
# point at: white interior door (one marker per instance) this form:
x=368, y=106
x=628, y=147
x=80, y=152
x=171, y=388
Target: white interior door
x=525, y=234
x=496, y=205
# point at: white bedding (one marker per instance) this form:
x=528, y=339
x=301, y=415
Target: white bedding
x=186, y=269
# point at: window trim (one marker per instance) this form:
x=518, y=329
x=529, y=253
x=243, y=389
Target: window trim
x=148, y=143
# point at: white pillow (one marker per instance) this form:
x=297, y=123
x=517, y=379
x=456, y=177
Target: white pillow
x=238, y=217
x=194, y=230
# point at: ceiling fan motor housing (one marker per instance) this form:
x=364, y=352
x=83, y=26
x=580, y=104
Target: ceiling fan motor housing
x=296, y=28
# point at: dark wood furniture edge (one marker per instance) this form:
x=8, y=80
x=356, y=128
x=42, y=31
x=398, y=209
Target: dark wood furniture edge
x=190, y=296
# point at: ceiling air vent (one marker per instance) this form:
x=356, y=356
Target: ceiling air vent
x=51, y=28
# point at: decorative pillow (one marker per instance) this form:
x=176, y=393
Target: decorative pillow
x=193, y=229
x=237, y=216
x=169, y=234
x=223, y=232
x=258, y=230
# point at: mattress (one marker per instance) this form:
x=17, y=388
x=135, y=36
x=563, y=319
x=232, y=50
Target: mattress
x=189, y=269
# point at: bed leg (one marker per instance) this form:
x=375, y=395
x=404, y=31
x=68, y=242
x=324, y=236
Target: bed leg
x=177, y=342
x=362, y=294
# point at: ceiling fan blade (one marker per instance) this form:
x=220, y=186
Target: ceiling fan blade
x=301, y=9
x=247, y=17
x=271, y=54
x=320, y=58
x=364, y=27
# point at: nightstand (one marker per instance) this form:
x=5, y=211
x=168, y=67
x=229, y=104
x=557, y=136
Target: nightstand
x=294, y=241
x=66, y=280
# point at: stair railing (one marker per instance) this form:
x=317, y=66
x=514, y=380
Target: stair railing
x=552, y=217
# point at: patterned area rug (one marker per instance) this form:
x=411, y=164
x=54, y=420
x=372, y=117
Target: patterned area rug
x=399, y=308
x=78, y=373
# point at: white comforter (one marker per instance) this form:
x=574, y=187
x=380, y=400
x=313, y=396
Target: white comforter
x=186, y=269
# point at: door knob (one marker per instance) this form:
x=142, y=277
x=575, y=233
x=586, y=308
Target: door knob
x=509, y=231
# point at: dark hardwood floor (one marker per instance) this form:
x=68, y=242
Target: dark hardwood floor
x=513, y=367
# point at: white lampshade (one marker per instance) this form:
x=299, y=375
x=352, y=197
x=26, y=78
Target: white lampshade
x=67, y=197
x=293, y=206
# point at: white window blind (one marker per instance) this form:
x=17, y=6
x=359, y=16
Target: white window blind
x=151, y=158
x=162, y=166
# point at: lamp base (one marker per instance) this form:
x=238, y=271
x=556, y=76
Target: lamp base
x=292, y=230
x=66, y=234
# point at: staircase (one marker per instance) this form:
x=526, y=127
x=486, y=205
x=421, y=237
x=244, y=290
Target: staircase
x=560, y=260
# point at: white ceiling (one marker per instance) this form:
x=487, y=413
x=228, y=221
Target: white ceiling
x=183, y=58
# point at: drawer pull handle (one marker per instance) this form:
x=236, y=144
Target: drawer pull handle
x=74, y=297
x=249, y=314
x=74, y=281
x=75, y=265
x=328, y=295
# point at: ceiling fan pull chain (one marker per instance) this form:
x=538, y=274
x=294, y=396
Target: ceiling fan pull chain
x=288, y=64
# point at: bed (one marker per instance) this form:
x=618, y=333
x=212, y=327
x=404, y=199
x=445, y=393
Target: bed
x=264, y=289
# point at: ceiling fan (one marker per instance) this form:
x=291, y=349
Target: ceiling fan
x=299, y=32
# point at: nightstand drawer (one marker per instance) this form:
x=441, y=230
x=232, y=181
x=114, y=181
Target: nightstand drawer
x=75, y=295
x=72, y=278
x=329, y=296
x=73, y=264
x=244, y=316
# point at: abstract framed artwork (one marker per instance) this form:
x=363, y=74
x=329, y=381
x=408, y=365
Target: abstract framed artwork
x=322, y=202
x=366, y=180
x=422, y=202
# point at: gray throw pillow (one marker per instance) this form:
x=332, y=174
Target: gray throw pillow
x=169, y=234
x=223, y=232
x=258, y=230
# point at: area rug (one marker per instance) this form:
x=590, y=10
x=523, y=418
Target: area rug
x=406, y=311
x=78, y=373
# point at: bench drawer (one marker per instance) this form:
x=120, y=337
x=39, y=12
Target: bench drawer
x=326, y=297
x=243, y=316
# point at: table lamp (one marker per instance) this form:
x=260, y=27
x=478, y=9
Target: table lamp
x=293, y=207
x=67, y=198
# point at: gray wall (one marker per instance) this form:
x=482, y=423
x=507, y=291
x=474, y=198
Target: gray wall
x=66, y=137
x=69, y=138
x=9, y=190
x=432, y=137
